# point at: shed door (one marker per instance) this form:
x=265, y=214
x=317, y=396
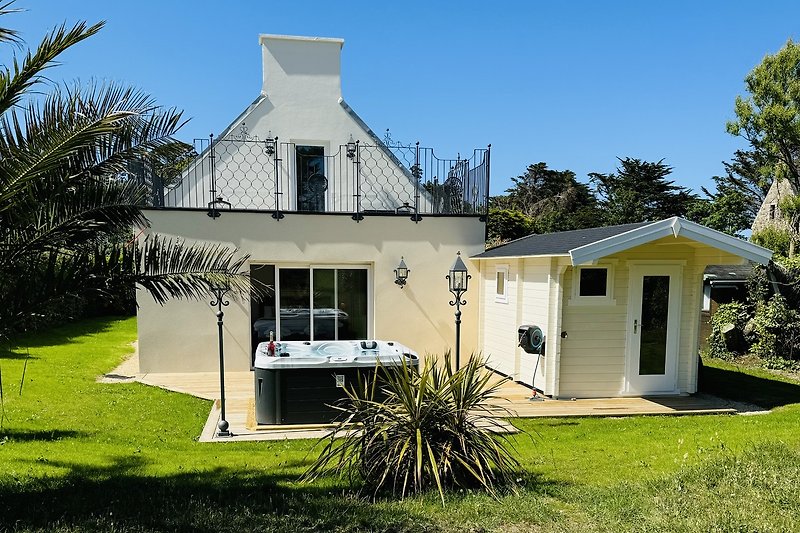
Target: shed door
x=653, y=329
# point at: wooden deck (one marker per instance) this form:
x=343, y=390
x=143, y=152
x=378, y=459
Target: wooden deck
x=513, y=401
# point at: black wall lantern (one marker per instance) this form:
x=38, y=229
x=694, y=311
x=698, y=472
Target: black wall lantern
x=401, y=273
x=271, y=144
x=351, y=147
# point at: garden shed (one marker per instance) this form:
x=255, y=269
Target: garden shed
x=619, y=306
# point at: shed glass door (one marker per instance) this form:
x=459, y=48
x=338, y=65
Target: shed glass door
x=653, y=329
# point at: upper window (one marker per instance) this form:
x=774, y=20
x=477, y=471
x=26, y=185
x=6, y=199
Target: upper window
x=311, y=180
x=772, y=211
x=593, y=285
x=501, y=284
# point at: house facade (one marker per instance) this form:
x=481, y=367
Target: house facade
x=618, y=306
x=326, y=211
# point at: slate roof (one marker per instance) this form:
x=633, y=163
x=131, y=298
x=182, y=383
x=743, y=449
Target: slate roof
x=729, y=272
x=559, y=243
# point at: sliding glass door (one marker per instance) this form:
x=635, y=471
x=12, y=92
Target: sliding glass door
x=322, y=303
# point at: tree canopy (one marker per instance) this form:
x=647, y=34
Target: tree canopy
x=769, y=116
x=639, y=191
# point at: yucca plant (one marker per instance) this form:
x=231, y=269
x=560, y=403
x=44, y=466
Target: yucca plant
x=408, y=430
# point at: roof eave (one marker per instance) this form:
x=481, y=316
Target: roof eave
x=674, y=226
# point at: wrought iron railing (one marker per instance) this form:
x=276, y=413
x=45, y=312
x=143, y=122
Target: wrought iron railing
x=242, y=173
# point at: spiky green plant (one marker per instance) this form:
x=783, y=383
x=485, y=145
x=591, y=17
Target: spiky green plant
x=419, y=429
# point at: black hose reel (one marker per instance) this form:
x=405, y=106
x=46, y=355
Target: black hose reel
x=531, y=339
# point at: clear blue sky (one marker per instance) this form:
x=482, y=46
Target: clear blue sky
x=574, y=84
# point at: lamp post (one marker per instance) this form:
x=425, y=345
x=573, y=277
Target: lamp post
x=219, y=290
x=458, y=280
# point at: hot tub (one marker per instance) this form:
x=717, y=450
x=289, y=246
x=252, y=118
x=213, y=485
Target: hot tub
x=303, y=379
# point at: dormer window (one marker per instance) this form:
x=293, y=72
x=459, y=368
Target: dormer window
x=311, y=180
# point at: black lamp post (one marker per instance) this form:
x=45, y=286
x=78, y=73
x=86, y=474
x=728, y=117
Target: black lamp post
x=219, y=290
x=458, y=280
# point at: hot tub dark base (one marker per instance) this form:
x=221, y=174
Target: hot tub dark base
x=303, y=395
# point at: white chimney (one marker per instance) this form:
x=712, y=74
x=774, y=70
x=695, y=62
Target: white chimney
x=301, y=68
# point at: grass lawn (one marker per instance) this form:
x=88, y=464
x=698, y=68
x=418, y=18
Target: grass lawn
x=78, y=455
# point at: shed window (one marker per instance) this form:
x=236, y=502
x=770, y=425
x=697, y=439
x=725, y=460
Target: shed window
x=501, y=284
x=772, y=211
x=593, y=282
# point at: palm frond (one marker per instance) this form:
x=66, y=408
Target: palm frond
x=8, y=35
x=17, y=80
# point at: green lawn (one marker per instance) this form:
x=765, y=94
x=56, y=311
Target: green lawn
x=78, y=455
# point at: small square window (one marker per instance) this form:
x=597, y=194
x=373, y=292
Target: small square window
x=593, y=282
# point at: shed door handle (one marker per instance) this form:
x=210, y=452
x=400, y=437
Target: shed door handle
x=635, y=326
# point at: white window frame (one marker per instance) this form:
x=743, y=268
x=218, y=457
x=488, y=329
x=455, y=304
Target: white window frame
x=608, y=299
x=501, y=297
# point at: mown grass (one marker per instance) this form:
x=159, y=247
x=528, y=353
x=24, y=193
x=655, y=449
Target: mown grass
x=77, y=455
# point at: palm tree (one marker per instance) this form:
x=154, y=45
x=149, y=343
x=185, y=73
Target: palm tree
x=67, y=206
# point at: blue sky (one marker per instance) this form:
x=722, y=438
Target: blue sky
x=574, y=84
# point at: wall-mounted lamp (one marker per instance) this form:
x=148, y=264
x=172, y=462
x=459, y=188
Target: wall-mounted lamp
x=351, y=147
x=401, y=273
x=271, y=144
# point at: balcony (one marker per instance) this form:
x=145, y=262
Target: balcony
x=240, y=173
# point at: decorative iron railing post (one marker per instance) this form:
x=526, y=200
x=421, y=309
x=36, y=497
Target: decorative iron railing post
x=416, y=171
x=485, y=215
x=277, y=215
x=213, y=212
x=357, y=216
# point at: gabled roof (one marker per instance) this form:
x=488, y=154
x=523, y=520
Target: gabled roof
x=559, y=243
x=589, y=245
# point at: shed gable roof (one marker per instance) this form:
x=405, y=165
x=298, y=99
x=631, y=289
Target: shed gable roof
x=586, y=246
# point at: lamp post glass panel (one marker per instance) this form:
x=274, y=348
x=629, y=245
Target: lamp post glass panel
x=458, y=280
x=219, y=290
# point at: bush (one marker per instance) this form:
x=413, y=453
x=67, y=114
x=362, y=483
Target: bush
x=507, y=224
x=776, y=239
x=775, y=329
x=735, y=313
x=433, y=429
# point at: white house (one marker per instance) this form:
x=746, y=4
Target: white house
x=619, y=306
x=326, y=211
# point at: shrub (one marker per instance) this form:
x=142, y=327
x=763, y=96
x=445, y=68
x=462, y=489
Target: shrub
x=508, y=224
x=775, y=329
x=433, y=429
x=776, y=239
x=732, y=313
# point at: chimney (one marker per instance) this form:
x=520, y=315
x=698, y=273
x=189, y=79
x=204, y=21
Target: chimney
x=301, y=68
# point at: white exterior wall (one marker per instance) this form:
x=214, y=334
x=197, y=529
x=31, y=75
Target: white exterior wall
x=182, y=336
x=527, y=303
x=301, y=102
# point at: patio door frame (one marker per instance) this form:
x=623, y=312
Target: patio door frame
x=635, y=384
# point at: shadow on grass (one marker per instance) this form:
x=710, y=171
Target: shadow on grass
x=207, y=502
x=14, y=348
x=118, y=497
x=741, y=386
x=45, y=435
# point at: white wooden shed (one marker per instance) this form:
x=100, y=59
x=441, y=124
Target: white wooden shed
x=619, y=306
